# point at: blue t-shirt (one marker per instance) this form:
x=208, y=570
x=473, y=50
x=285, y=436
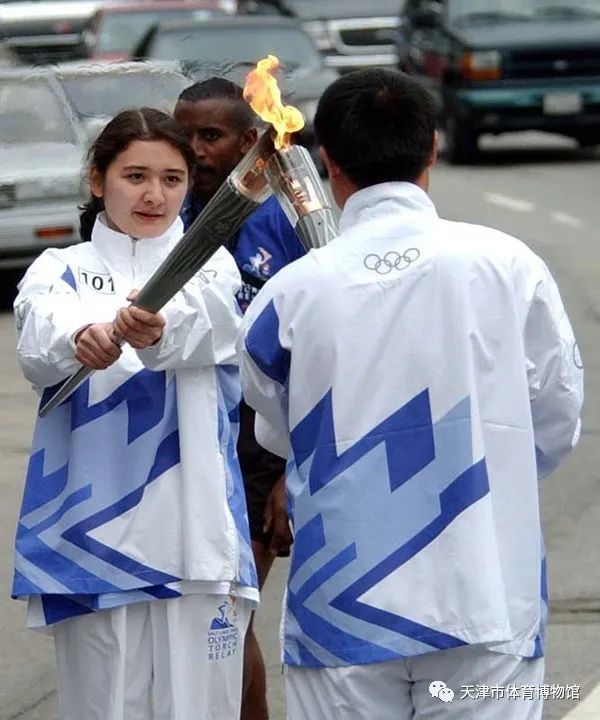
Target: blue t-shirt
x=264, y=244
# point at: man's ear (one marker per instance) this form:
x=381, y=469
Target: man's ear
x=333, y=170
x=249, y=138
x=96, y=183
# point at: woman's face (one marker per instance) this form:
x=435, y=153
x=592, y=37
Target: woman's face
x=143, y=189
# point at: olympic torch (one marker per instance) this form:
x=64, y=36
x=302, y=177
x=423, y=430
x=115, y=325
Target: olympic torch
x=273, y=164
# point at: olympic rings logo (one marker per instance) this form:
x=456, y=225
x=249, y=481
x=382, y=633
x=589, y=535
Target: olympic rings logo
x=392, y=260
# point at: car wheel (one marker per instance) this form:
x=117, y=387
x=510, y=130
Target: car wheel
x=461, y=141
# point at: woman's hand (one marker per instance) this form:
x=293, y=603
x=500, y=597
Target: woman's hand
x=140, y=328
x=96, y=346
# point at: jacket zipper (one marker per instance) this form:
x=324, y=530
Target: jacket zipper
x=133, y=249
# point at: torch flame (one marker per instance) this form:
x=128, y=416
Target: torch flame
x=264, y=96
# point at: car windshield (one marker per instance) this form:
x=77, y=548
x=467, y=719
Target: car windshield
x=106, y=94
x=121, y=31
x=482, y=11
x=292, y=47
x=31, y=112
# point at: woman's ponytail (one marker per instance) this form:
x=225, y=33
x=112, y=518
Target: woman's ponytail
x=88, y=215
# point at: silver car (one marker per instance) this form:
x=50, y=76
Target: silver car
x=41, y=159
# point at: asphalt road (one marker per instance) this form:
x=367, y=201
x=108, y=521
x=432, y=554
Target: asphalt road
x=543, y=191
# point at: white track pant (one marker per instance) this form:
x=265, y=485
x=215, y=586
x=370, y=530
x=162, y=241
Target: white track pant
x=178, y=659
x=400, y=690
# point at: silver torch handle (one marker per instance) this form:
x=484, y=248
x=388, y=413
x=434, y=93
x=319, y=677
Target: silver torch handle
x=297, y=186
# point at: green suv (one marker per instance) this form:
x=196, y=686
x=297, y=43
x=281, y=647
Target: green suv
x=505, y=66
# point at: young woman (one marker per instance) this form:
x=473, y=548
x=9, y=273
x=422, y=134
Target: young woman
x=133, y=546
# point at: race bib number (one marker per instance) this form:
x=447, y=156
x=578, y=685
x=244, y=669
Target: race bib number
x=100, y=282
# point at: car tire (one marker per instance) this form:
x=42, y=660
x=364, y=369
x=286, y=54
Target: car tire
x=461, y=141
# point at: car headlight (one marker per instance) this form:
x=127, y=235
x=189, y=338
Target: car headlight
x=320, y=34
x=481, y=65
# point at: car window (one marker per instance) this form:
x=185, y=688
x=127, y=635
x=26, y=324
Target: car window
x=105, y=94
x=237, y=45
x=120, y=32
x=30, y=111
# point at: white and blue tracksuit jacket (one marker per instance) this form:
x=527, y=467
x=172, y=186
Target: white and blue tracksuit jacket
x=133, y=489
x=420, y=376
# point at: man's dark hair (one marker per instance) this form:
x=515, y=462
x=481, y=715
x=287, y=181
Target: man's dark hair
x=378, y=125
x=219, y=88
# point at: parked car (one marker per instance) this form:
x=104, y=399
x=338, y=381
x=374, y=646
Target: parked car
x=231, y=47
x=41, y=155
x=115, y=30
x=45, y=32
x=516, y=65
x=98, y=91
x=350, y=33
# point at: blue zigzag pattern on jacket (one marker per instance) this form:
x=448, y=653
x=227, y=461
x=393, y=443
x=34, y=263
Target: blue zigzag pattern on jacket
x=117, y=447
x=167, y=456
x=62, y=607
x=44, y=488
x=79, y=496
x=360, y=515
x=471, y=486
x=144, y=394
x=263, y=346
x=407, y=434
x=29, y=587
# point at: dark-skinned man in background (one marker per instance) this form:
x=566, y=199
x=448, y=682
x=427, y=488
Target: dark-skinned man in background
x=222, y=128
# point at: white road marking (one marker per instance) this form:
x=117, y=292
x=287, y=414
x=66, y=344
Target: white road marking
x=588, y=709
x=566, y=219
x=508, y=202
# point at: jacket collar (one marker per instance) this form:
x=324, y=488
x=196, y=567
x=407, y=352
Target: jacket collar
x=383, y=200
x=118, y=249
